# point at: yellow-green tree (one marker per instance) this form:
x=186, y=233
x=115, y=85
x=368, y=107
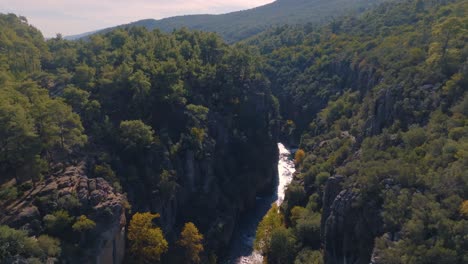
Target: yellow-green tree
x=191, y=241
x=83, y=224
x=147, y=241
x=270, y=222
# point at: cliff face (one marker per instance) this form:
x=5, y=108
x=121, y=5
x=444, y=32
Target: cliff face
x=71, y=189
x=218, y=178
x=221, y=180
x=349, y=224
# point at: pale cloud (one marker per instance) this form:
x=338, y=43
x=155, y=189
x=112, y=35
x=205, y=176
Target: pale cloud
x=78, y=16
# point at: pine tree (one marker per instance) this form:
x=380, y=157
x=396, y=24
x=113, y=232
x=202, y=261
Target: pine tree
x=191, y=241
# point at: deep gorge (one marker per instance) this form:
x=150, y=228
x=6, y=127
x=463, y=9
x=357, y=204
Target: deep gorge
x=137, y=146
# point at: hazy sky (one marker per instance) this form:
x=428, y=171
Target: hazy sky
x=71, y=17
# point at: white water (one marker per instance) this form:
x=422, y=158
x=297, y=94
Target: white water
x=286, y=170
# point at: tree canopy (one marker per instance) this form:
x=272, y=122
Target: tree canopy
x=147, y=242
x=192, y=242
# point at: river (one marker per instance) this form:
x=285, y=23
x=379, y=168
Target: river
x=241, y=251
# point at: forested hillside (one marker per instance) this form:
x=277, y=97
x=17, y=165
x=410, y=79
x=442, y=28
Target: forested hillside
x=174, y=121
x=380, y=102
x=138, y=146
x=236, y=26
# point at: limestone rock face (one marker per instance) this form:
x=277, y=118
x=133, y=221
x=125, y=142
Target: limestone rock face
x=349, y=225
x=94, y=198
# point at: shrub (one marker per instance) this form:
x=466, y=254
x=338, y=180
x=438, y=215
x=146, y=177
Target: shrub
x=8, y=193
x=308, y=256
x=322, y=178
x=415, y=137
x=295, y=195
x=57, y=222
x=69, y=202
x=282, y=246
x=83, y=224
x=49, y=245
x=16, y=242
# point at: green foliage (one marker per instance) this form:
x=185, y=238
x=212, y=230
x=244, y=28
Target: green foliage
x=306, y=225
x=105, y=171
x=58, y=222
x=282, y=246
x=308, y=256
x=308, y=229
x=379, y=99
x=23, y=46
x=415, y=137
x=49, y=245
x=270, y=222
x=8, y=193
x=167, y=185
x=295, y=195
x=69, y=202
x=321, y=178
x=15, y=243
x=134, y=134
x=83, y=224
x=198, y=134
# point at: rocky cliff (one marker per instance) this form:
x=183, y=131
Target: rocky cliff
x=216, y=179
x=349, y=224
x=71, y=190
x=221, y=179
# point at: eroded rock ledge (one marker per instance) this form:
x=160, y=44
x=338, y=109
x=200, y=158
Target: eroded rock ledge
x=71, y=189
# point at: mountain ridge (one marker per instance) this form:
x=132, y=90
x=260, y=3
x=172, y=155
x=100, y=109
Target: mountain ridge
x=239, y=25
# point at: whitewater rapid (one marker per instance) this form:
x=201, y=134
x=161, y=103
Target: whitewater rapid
x=286, y=170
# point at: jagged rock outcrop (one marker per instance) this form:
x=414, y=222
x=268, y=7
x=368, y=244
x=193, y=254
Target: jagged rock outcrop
x=72, y=190
x=332, y=189
x=382, y=111
x=349, y=225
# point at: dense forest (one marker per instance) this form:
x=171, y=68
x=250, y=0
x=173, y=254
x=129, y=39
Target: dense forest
x=380, y=104
x=176, y=122
x=138, y=146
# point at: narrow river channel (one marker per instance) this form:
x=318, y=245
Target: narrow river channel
x=241, y=251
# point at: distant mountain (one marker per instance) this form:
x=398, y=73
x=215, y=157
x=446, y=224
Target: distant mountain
x=239, y=25
x=83, y=35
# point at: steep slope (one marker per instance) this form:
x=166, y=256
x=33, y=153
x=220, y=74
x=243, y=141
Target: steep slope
x=380, y=103
x=239, y=25
x=183, y=123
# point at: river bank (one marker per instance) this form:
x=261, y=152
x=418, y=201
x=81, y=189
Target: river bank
x=241, y=251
